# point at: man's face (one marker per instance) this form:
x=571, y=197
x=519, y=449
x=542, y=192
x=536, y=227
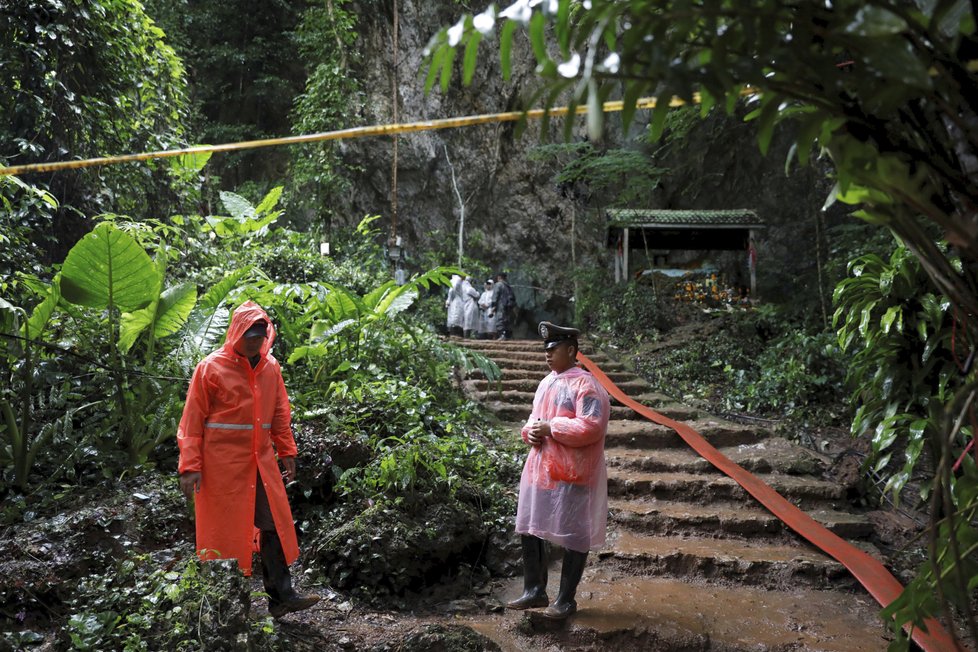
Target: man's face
x=250, y=345
x=562, y=357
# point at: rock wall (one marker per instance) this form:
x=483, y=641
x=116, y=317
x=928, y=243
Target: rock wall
x=515, y=217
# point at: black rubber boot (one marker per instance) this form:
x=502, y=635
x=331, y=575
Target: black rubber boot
x=534, y=576
x=282, y=598
x=570, y=577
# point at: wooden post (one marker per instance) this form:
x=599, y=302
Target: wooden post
x=624, y=253
x=752, y=263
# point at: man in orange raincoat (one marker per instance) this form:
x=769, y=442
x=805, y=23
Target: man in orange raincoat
x=564, y=486
x=236, y=419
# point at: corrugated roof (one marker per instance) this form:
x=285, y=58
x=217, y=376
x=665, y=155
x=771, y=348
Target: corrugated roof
x=655, y=216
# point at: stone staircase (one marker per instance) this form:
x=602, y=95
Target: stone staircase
x=692, y=561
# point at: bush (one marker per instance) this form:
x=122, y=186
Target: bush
x=796, y=371
x=143, y=606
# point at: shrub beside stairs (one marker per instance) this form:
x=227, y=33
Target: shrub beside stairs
x=692, y=561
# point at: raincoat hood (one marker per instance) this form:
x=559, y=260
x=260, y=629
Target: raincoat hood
x=243, y=318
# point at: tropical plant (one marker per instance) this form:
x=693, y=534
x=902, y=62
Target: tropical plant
x=109, y=281
x=915, y=400
x=141, y=606
x=109, y=271
x=904, y=365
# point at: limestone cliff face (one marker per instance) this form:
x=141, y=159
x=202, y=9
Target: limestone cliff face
x=515, y=217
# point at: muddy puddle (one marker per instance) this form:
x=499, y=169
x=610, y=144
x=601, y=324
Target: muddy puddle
x=622, y=613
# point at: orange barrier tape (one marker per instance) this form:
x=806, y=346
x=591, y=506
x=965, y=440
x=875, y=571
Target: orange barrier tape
x=869, y=572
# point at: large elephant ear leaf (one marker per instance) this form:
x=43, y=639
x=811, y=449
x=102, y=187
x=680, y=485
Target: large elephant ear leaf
x=174, y=309
x=396, y=301
x=132, y=325
x=207, y=328
x=41, y=315
x=107, y=268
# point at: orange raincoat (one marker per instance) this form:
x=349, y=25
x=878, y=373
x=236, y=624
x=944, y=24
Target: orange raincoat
x=232, y=417
x=564, y=486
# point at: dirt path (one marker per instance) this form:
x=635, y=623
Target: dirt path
x=692, y=562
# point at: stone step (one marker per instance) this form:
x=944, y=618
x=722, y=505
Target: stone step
x=724, y=560
x=537, y=376
x=724, y=519
x=624, y=613
x=644, y=434
x=519, y=411
x=773, y=454
x=490, y=347
x=635, y=386
x=804, y=491
x=539, y=364
x=534, y=355
x=651, y=399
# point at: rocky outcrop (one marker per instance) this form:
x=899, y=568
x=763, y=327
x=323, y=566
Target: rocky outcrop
x=515, y=216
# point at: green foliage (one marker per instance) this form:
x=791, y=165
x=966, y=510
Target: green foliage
x=330, y=100
x=696, y=366
x=244, y=72
x=427, y=474
x=140, y=336
x=84, y=80
x=634, y=312
x=909, y=388
x=903, y=367
x=339, y=321
x=26, y=210
x=109, y=271
x=30, y=421
x=758, y=362
x=949, y=576
x=621, y=177
x=143, y=606
x=797, y=372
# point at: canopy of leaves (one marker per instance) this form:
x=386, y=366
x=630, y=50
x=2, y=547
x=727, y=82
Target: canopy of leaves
x=82, y=80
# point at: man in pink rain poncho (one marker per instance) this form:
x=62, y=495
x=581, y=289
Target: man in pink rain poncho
x=564, y=486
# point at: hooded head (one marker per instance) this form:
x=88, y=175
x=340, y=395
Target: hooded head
x=247, y=315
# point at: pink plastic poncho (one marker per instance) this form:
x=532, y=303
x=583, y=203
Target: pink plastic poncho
x=564, y=487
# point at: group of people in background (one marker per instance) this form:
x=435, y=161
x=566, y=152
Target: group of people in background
x=485, y=315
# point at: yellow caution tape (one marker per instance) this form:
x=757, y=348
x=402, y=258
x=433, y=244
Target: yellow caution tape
x=340, y=134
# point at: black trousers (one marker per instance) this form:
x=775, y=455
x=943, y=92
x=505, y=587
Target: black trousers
x=263, y=513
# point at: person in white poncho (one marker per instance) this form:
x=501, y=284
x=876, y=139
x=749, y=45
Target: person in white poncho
x=470, y=310
x=487, y=325
x=455, y=306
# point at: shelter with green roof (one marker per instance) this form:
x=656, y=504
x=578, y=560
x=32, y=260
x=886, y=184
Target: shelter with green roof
x=676, y=241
